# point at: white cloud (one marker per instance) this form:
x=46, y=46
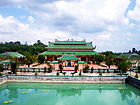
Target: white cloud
x=135, y=14
x=19, y=6
x=83, y=15
x=100, y=21
x=31, y=19
x=13, y=30
x=104, y=37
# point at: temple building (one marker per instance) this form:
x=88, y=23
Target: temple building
x=132, y=57
x=70, y=50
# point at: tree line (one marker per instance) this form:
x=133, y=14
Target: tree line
x=34, y=49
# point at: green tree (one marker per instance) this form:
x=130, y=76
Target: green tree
x=123, y=66
x=29, y=59
x=41, y=59
x=14, y=67
x=36, y=48
x=108, y=53
x=98, y=59
x=109, y=60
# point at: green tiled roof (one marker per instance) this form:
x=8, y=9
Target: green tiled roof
x=74, y=45
x=6, y=61
x=134, y=56
x=123, y=56
x=54, y=62
x=70, y=42
x=129, y=56
x=68, y=57
x=81, y=62
x=11, y=54
x=74, y=52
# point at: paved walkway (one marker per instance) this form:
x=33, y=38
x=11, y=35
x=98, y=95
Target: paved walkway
x=81, y=66
x=68, y=73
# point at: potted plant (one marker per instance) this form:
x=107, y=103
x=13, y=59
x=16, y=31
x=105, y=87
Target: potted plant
x=57, y=73
x=80, y=73
x=36, y=74
x=64, y=73
x=136, y=76
x=92, y=70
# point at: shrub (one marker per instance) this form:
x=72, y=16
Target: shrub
x=57, y=73
x=45, y=69
x=61, y=68
x=64, y=73
x=88, y=62
x=50, y=69
x=76, y=68
x=36, y=73
x=92, y=70
x=85, y=69
x=136, y=76
x=80, y=74
x=100, y=74
x=138, y=69
x=0, y=74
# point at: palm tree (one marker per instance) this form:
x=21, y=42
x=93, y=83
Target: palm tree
x=124, y=65
x=109, y=60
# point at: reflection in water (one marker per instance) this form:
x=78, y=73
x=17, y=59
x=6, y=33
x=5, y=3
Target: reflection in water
x=69, y=91
x=124, y=93
x=13, y=93
x=68, y=94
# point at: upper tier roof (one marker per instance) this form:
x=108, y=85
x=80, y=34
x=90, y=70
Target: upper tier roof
x=70, y=44
x=69, y=52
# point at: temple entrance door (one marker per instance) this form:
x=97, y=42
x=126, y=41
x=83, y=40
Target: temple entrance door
x=69, y=64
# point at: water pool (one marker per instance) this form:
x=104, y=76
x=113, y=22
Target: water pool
x=68, y=94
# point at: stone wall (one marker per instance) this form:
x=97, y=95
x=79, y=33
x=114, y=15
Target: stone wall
x=133, y=81
x=3, y=80
x=66, y=79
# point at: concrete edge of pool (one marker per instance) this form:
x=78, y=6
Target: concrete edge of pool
x=74, y=80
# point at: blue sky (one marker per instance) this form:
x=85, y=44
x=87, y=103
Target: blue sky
x=110, y=25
